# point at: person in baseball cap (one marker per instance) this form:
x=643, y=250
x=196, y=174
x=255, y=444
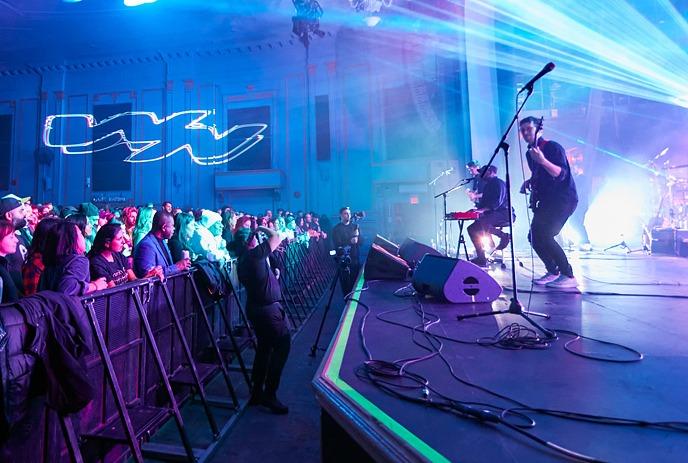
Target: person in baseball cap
x=23, y=200
x=12, y=210
x=29, y=216
x=7, y=206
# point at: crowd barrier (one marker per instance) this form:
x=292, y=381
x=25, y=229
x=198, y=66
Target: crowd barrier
x=156, y=345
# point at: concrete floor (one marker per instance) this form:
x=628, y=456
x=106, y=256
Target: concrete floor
x=259, y=436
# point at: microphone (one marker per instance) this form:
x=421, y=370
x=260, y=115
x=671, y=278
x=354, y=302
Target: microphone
x=529, y=86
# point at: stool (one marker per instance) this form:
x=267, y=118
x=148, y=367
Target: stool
x=498, y=256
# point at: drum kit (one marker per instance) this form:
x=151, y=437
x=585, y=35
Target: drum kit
x=670, y=184
x=670, y=194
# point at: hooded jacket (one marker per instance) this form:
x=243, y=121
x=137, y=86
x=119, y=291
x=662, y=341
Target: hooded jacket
x=49, y=331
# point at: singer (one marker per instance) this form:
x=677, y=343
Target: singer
x=475, y=192
x=494, y=212
x=553, y=200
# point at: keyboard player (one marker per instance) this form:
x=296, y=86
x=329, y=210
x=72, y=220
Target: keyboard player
x=494, y=212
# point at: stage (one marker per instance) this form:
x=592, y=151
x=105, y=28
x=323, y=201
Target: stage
x=634, y=300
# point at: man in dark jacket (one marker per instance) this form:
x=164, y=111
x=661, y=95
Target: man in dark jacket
x=347, y=235
x=152, y=250
x=266, y=315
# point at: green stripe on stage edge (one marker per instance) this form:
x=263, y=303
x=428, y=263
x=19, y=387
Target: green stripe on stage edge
x=333, y=367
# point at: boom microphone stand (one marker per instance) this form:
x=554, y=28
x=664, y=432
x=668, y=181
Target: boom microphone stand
x=515, y=307
x=444, y=209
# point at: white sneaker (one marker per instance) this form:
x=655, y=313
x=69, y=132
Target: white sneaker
x=546, y=278
x=563, y=282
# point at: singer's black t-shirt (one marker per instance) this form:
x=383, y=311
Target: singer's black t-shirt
x=552, y=191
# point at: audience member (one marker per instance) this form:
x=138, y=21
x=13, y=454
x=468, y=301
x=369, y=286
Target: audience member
x=184, y=229
x=66, y=267
x=34, y=265
x=12, y=210
x=92, y=214
x=144, y=223
x=152, y=250
x=106, y=259
x=8, y=246
x=128, y=219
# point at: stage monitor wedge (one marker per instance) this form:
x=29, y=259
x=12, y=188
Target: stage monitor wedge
x=412, y=251
x=387, y=245
x=454, y=280
x=382, y=265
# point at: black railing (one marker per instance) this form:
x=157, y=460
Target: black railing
x=155, y=346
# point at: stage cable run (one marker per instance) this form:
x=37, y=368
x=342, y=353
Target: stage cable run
x=516, y=336
x=395, y=379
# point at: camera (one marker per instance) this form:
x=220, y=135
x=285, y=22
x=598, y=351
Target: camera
x=356, y=216
x=343, y=256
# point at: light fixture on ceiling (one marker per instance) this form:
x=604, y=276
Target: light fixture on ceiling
x=370, y=9
x=137, y=2
x=307, y=20
x=372, y=20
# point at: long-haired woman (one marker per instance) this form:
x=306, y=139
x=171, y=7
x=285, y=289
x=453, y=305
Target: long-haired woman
x=34, y=265
x=106, y=258
x=66, y=267
x=144, y=223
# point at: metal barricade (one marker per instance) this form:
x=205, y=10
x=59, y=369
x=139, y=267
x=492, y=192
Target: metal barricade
x=156, y=346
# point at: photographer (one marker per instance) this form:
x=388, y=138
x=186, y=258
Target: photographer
x=265, y=313
x=347, y=234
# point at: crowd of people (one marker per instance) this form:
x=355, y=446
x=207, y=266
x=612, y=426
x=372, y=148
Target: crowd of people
x=77, y=250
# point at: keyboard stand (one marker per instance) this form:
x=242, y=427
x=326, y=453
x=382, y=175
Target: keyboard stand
x=461, y=240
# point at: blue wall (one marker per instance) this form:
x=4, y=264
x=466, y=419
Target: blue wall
x=372, y=167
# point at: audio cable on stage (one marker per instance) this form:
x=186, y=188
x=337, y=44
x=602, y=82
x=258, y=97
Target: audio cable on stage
x=394, y=378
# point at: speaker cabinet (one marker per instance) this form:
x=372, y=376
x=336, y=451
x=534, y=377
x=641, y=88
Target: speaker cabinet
x=682, y=242
x=454, y=280
x=664, y=241
x=382, y=265
x=387, y=245
x=412, y=251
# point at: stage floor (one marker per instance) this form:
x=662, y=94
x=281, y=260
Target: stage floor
x=635, y=300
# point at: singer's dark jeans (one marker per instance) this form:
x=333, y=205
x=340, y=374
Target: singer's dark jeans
x=274, y=343
x=486, y=225
x=548, y=220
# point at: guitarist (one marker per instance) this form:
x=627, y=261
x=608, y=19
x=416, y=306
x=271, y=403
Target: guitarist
x=475, y=192
x=553, y=199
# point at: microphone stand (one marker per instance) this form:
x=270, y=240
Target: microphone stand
x=444, y=204
x=433, y=183
x=515, y=307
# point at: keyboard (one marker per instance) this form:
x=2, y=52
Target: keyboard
x=466, y=215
